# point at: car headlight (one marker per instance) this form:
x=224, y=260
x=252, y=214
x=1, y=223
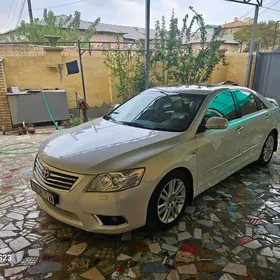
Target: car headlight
x=116, y=181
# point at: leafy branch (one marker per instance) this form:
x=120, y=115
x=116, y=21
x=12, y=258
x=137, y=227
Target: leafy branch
x=173, y=59
x=67, y=27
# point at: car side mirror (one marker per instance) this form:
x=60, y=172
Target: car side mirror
x=216, y=123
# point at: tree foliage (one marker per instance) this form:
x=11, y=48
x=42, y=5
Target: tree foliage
x=265, y=32
x=175, y=56
x=243, y=36
x=118, y=63
x=172, y=58
x=67, y=27
x=127, y=71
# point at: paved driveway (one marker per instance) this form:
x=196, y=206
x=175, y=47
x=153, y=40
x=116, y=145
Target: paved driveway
x=231, y=232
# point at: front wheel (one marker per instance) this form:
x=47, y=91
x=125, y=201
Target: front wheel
x=267, y=150
x=169, y=200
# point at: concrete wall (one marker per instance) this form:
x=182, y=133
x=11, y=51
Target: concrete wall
x=29, y=68
x=227, y=47
x=230, y=47
x=237, y=67
x=31, y=72
x=5, y=117
x=106, y=38
x=219, y=74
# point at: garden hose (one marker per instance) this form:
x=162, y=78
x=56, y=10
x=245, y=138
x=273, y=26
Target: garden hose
x=49, y=111
x=28, y=145
x=18, y=149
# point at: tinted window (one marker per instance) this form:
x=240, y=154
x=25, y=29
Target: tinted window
x=260, y=105
x=157, y=110
x=223, y=104
x=247, y=102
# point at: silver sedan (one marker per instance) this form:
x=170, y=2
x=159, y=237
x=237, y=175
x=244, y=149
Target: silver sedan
x=146, y=160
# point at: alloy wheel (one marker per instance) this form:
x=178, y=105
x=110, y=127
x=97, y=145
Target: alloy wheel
x=268, y=148
x=171, y=201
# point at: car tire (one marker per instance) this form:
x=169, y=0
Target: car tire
x=267, y=150
x=174, y=203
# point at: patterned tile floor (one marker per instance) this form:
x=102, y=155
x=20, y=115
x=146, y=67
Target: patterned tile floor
x=231, y=232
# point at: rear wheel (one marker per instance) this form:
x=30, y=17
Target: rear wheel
x=267, y=150
x=168, y=201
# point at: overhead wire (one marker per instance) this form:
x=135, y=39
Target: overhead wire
x=267, y=8
x=61, y=5
x=9, y=14
x=249, y=12
x=272, y=9
x=15, y=10
x=264, y=7
x=20, y=12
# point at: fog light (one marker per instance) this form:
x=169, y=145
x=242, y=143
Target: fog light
x=112, y=220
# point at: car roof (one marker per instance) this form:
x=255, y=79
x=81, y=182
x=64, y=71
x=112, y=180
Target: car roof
x=197, y=89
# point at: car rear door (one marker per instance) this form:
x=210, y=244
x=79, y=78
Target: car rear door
x=219, y=150
x=256, y=123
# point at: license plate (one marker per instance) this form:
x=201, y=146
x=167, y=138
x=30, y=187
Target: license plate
x=47, y=195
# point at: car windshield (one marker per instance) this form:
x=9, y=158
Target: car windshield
x=153, y=109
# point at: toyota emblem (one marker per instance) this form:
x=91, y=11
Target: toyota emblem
x=45, y=173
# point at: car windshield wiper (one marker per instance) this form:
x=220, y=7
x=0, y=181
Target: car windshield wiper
x=134, y=124
x=108, y=117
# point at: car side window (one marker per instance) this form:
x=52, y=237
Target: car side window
x=224, y=106
x=247, y=102
x=260, y=104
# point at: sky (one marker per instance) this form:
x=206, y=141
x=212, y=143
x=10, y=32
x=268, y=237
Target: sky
x=132, y=12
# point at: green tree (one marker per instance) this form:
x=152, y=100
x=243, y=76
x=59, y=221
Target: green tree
x=265, y=32
x=172, y=58
x=243, y=36
x=175, y=56
x=67, y=27
x=119, y=64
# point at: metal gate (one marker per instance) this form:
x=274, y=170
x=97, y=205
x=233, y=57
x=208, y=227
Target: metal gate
x=267, y=75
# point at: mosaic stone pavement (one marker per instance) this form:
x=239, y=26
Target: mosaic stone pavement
x=231, y=232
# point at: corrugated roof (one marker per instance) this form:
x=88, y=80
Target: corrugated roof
x=212, y=26
x=128, y=32
x=222, y=37
x=231, y=42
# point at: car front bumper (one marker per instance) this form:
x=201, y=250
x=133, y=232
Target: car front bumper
x=82, y=209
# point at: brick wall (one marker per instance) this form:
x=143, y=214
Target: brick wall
x=5, y=116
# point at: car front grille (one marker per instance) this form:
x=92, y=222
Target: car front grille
x=52, y=177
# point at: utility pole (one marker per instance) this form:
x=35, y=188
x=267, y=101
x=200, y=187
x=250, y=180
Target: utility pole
x=147, y=44
x=252, y=44
x=257, y=4
x=30, y=11
x=275, y=34
x=82, y=69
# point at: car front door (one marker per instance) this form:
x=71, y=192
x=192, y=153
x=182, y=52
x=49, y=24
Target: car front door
x=219, y=150
x=256, y=122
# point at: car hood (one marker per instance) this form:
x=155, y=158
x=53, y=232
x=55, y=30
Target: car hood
x=101, y=146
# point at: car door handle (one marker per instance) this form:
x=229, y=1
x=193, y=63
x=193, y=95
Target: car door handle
x=267, y=117
x=239, y=129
